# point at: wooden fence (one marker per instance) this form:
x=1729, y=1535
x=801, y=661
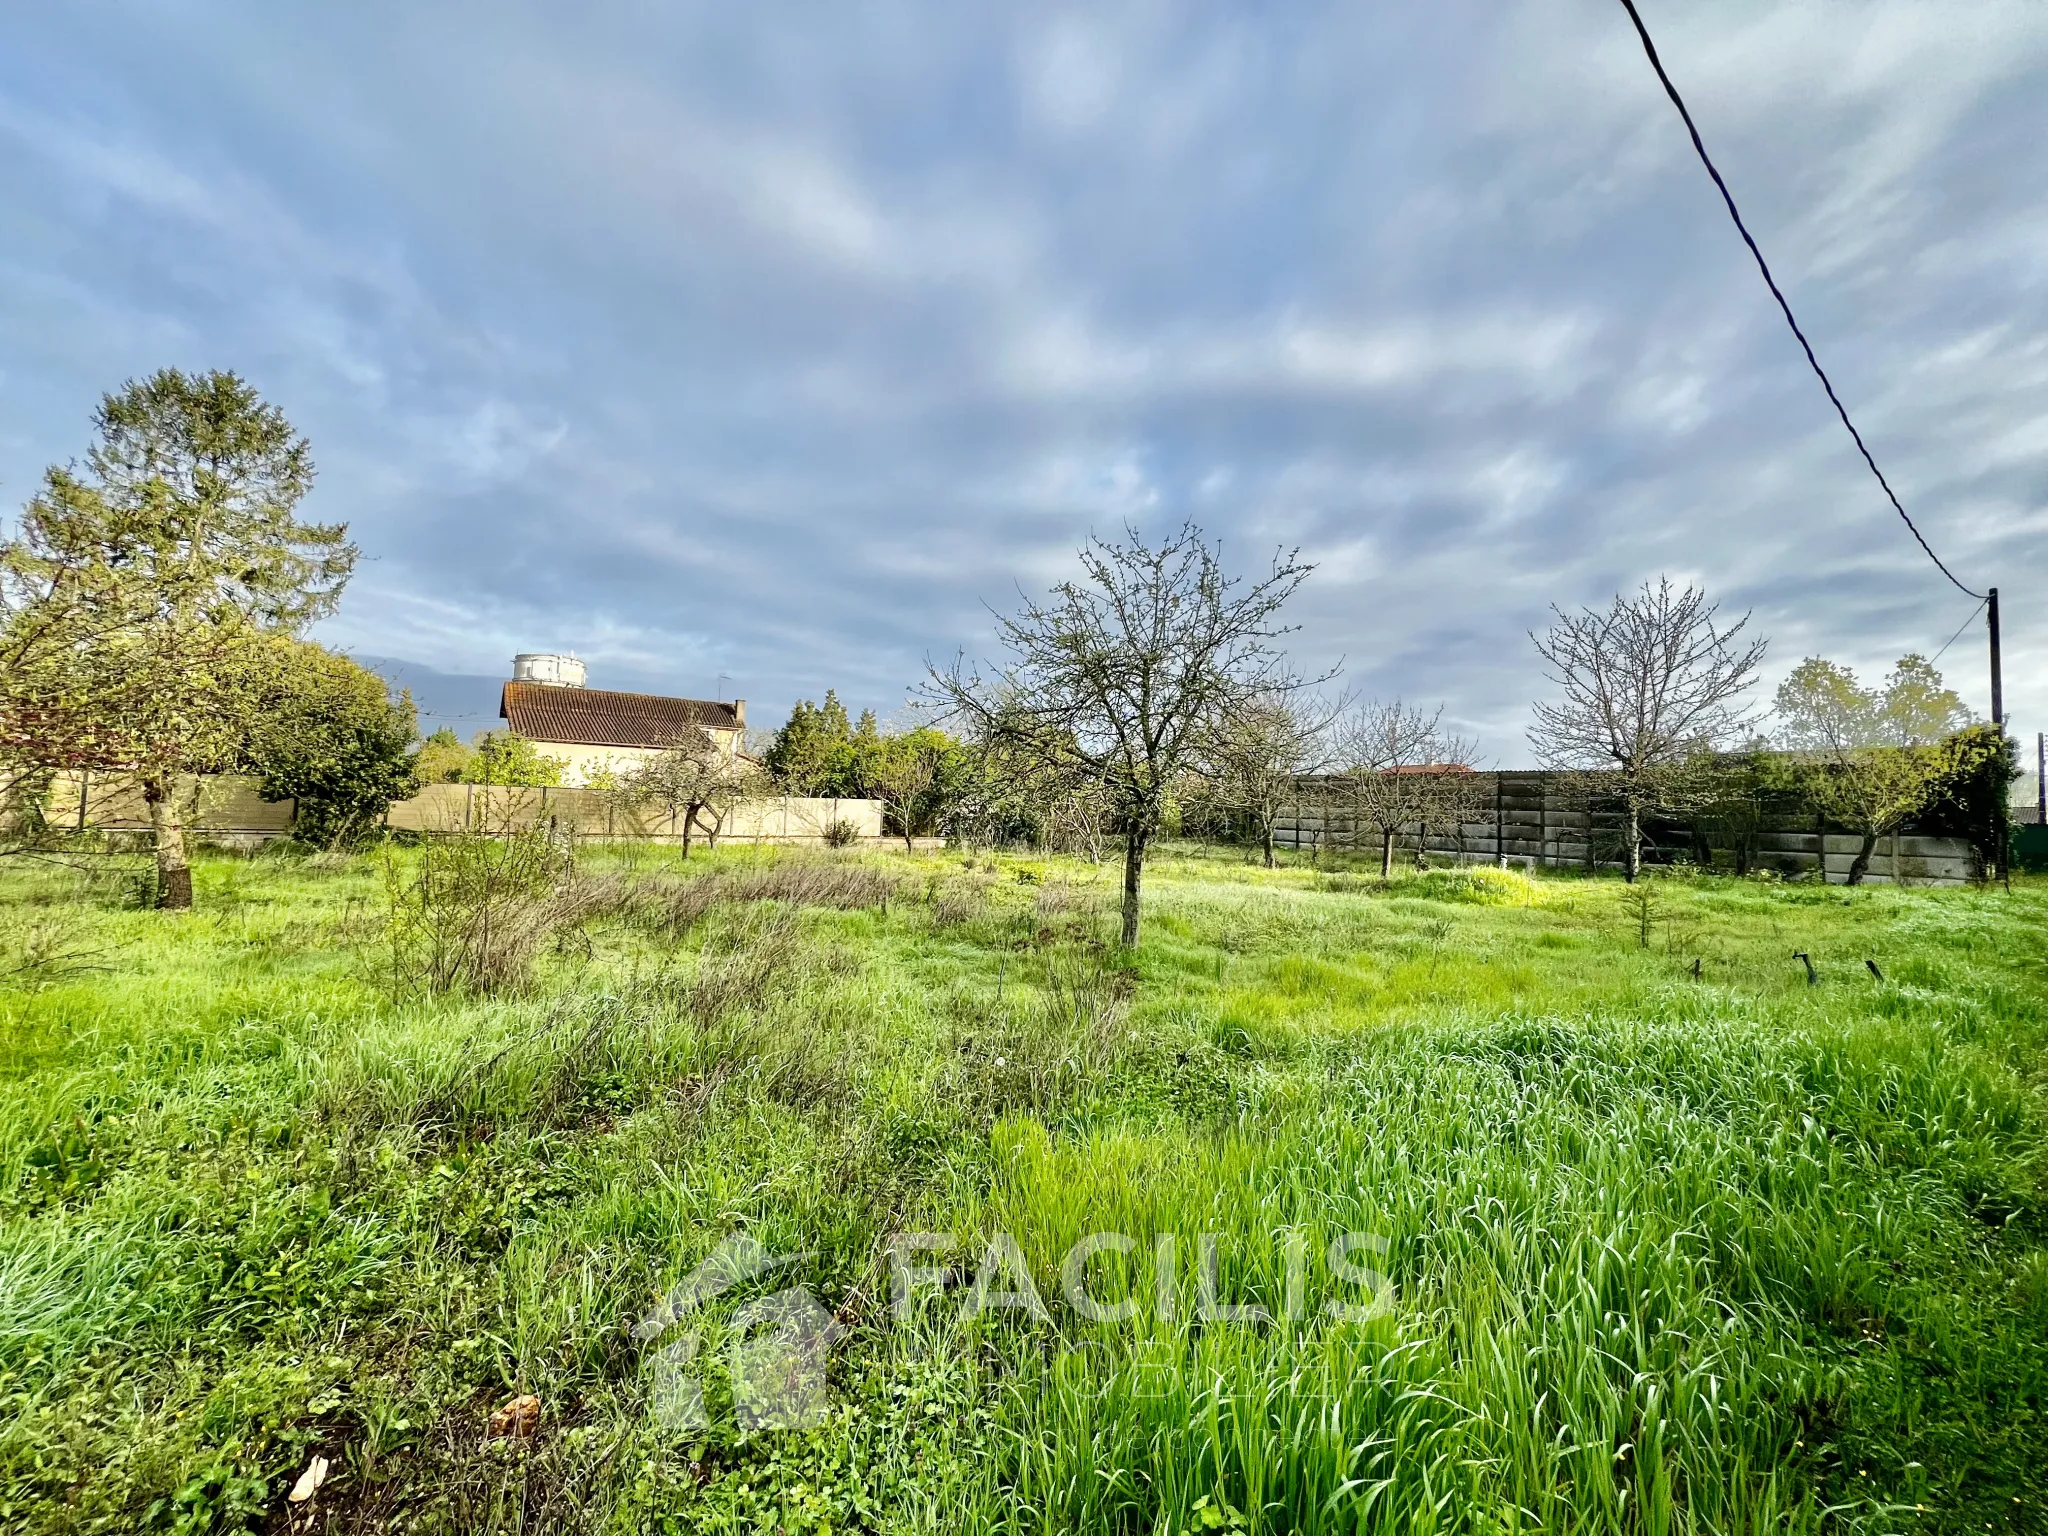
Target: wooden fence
x=1543, y=820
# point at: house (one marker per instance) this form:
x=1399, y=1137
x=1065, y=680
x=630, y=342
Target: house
x=589, y=730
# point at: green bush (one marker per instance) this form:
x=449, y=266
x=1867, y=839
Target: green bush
x=326, y=734
x=1971, y=794
x=502, y=758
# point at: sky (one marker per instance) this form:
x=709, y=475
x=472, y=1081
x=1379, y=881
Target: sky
x=755, y=350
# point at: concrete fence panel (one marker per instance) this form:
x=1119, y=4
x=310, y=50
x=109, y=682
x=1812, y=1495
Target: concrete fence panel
x=228, y=808
x=1540, y=821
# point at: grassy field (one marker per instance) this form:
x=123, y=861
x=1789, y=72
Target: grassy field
x=1649, y=1234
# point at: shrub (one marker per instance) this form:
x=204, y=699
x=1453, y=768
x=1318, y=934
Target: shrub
x=442, y=758
x=502, y=758
x=1969, y=796
x=475, y=911
x=326, y=734
x=841, y=833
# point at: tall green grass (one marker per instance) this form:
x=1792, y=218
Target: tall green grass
x=1653, y=1252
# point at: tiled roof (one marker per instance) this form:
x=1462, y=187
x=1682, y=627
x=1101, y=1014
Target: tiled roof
x=598, y=717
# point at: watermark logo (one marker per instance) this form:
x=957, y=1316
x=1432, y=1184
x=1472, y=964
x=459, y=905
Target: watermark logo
x=774, y=1356
x=1002, y=1279
x=775, y=1346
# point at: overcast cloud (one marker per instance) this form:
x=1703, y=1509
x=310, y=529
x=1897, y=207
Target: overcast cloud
x=771, y=342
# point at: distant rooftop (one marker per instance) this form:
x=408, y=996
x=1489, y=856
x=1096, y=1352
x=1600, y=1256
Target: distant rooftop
x=600, y=717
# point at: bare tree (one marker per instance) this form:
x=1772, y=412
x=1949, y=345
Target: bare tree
x=1125, y=675
x=1460, y=796
x=1650, y=688
x=694, y=784
x=1257, y=766
x=1397, y=761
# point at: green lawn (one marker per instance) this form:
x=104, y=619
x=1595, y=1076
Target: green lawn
x=1650, y=1250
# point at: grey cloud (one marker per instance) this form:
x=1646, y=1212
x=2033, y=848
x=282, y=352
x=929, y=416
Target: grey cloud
x=707, y=343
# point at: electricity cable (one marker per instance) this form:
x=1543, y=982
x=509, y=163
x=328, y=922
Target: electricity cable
x=1762, y=266
x=1952, y=639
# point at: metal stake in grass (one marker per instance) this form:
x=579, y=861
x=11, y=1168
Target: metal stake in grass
x=1812, y=976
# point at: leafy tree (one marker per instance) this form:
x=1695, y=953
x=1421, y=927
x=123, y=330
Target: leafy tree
x=1124, y=676
x=1865, y=758
x=503, y=758
x=918, y=776
x=138, y=591
x=815, y=751
x=442, y=758
x=1649, y=690
x=325, y=732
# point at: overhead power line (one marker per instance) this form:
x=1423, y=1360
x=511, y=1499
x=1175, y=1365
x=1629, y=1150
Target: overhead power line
x=1762, y=266
x=1952, y=639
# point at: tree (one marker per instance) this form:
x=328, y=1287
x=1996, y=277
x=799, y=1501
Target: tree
x=499, y=757
x=1124, y=676
x=694, y=784
x=138, y=588
x=1398, y=766
x=1732, y=809
x=917, y=776
x=1650, y=689
x=325, y=733
x=1256, y=768
x=442, y=758
x=1971, y=797
x=814, y=752
x=1865, y=758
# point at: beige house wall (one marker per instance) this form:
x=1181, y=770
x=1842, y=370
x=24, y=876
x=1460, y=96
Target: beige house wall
x=580, y=764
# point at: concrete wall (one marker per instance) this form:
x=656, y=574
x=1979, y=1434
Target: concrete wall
x=226, y=808
x=1539, y=823
x=783, y=819
x=223, y=807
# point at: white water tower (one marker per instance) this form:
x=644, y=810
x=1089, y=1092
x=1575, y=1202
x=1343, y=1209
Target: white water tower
x=562, y=671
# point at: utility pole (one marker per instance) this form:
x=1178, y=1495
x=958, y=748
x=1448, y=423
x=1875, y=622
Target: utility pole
x=1997, y=680
x=2041, y=778
x=2002, y=863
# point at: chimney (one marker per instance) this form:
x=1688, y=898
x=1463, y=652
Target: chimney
x=739, y=714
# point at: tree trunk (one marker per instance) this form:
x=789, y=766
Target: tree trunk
x=173, y=874
x=1134, y=878
x=1386, y=853
x=1632, y=849
x=1269, y=845
x=1860, y=865
x=689, y=821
